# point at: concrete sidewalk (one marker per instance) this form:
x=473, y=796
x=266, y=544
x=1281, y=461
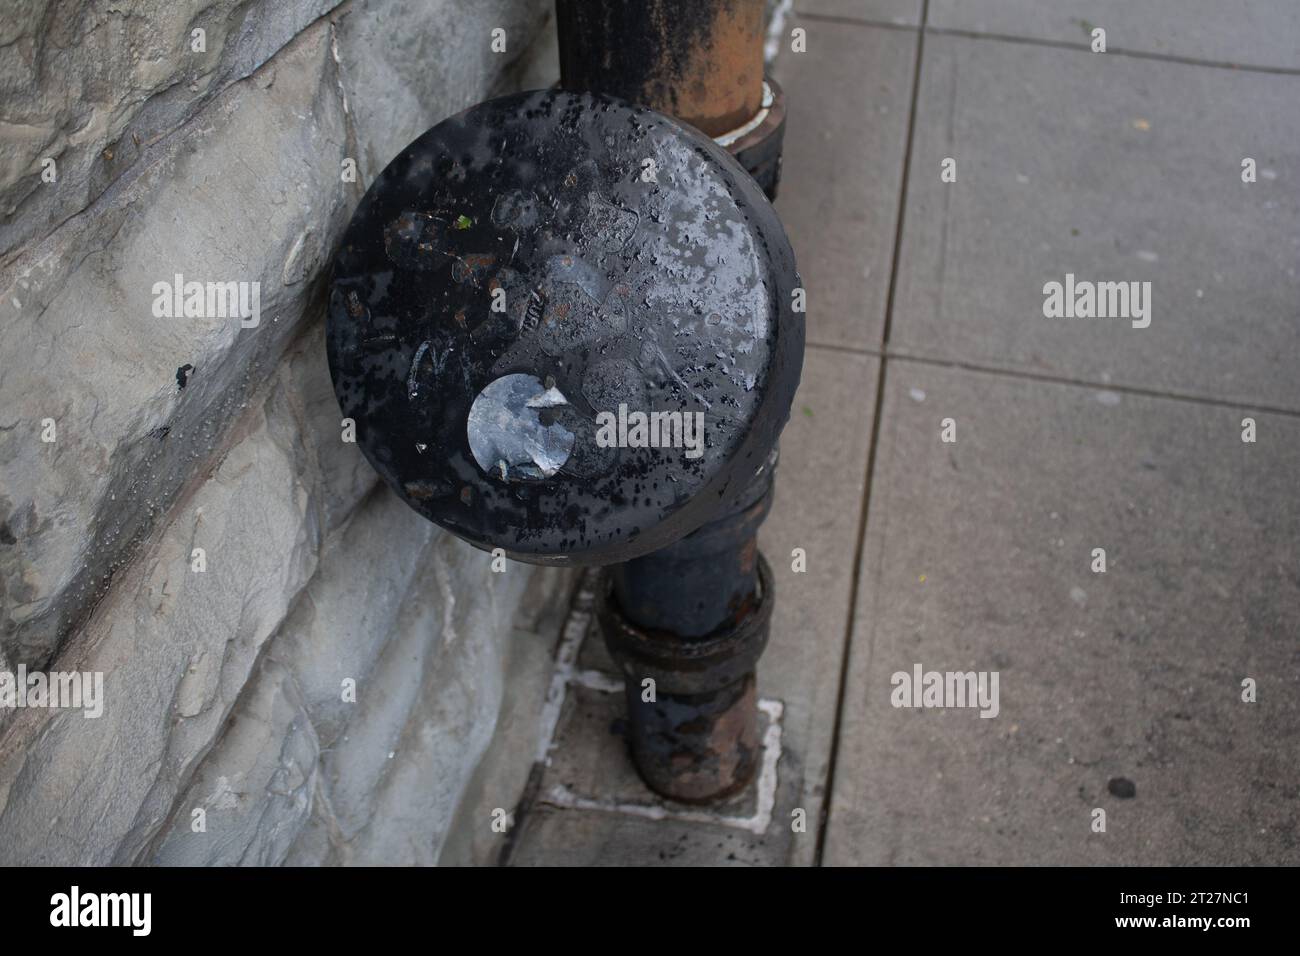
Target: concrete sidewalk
x=1119, y=691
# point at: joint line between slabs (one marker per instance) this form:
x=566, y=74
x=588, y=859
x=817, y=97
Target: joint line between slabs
x=1048, y=43
x=1026, y=375
x=846, y=644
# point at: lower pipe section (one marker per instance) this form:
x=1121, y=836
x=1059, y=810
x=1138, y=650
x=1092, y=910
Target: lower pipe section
x=692, y=696
x=704, y=582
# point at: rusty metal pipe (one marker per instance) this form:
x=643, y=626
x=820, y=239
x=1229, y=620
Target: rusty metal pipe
x=693, y=618
x=700, y=61
x=687, y=623
x=704, y=582
x=695, y=736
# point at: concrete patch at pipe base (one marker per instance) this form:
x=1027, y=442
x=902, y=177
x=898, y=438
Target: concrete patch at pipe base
x=750, y=810
x=692, y=721
x=583, y=757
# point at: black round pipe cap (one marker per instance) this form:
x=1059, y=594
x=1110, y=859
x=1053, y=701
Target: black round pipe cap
x=524, y=282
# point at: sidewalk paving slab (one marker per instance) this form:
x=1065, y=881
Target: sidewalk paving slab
x=978, y=558
x=848, y=98
x=1110, y=169
x=817, y=508
x=1245, y=32
x=901, y=12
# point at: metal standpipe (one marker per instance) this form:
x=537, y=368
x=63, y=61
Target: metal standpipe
x=699, y=61
x=687, y=623
x=693, y=618
x=514, y=280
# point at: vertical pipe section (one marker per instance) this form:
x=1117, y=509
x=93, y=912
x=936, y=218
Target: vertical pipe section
x=700, y=61
x=705, y=582
x=687, y=624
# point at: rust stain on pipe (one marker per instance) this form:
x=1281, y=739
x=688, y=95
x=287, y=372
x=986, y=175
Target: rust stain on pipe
x=700, y=61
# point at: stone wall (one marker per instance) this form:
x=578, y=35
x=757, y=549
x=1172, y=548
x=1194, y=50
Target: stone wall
x=179, y=509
